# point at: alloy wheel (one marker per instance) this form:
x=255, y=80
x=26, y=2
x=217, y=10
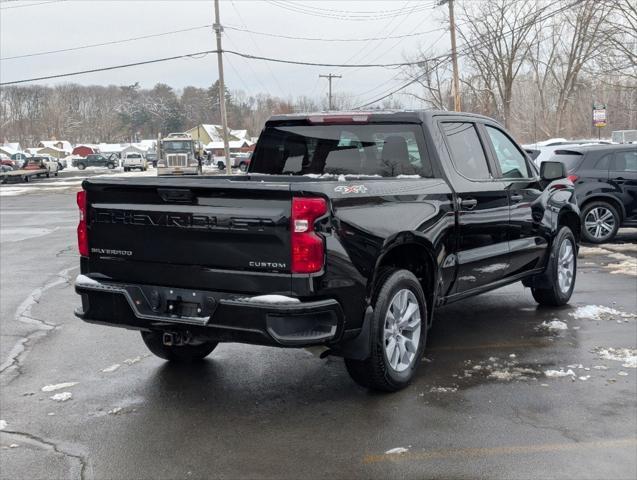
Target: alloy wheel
x=402, y=330
x=599, y=222
x=566, y=266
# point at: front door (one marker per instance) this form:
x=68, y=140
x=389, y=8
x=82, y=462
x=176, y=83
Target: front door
x=483, y=210
x=527, y=240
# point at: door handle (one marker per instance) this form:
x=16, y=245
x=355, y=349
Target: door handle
x=620, y=180
x=515, y=197
x=469, y=203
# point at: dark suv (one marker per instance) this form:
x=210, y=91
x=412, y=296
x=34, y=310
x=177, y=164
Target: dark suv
x=605, y=178
x=97, y=160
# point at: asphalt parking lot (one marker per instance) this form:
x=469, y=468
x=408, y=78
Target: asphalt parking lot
x=506, y=389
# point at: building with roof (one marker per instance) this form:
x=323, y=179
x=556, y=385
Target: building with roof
x=62, y=145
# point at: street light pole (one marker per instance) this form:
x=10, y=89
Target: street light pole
x=222, y=89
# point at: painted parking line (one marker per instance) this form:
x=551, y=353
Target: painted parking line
x=496, y=451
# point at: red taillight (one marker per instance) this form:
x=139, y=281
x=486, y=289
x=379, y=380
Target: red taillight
x=82, y=231
x=308, y=249
x=573, y=178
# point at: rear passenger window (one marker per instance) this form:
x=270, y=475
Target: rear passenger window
x=603, y=163
x=466, y=152
x=625, y=162
x=512, y=162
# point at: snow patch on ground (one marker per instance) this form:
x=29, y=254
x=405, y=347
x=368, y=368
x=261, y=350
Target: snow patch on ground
x=443, y=389
x=112, y=368
x=115, y=411
x=554, y=325
x=626, y=355
x=58, y=386
x=599, y=312
x=3, y=424
x=62, y=397
x=397, y=451
x=502, y=370
x=591, y=251
x=559, y=373
x=132, y=361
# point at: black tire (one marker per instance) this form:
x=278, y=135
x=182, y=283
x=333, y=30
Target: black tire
x=126, y=169
x=81, y=166
x=179, y=354
x=221, y=165
x=376, y=372
x=602, y=235
x=551, y=293
x=110, y=166
x=48, y=174
x=243, y=167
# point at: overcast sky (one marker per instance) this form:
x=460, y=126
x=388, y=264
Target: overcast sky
x=65, y=24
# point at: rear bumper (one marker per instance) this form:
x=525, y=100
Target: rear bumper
x=217, y=316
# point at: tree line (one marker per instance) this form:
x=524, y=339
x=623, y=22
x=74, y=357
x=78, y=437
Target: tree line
x=535, y=70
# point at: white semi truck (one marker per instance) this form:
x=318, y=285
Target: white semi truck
x=178, y=154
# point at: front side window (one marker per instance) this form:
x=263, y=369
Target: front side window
x=512, y=162
x=466, y=150
x=385, y=150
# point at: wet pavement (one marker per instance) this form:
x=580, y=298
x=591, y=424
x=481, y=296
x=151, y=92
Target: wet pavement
x=482, y=405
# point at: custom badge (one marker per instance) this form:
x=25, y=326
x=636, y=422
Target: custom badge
x=345, y=189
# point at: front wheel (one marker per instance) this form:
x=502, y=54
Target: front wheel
x=243, y=167
x=398, y=334
x=110, y=166
x=559, y=278
x=176, y=353
x=81, y=166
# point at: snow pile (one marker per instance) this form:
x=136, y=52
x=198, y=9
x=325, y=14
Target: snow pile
x=622, y=374
x=627, y=265
x=443, y=389
x=559, y=373
x=554, y=325
x=58, y=386
x=62, y=397
x=599, y=312
x=626, y=355
x=397, y=451
x=112, y=368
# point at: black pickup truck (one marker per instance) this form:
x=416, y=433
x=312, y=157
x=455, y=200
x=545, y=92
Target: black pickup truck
x=347, y=232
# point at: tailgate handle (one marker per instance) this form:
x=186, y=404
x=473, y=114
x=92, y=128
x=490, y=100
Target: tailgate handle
x=174, y=195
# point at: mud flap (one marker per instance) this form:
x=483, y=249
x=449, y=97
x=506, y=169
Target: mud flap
x=359, y=347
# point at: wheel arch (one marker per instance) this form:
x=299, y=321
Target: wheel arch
x=412, y=253
x=608, y=199
x=569, y=218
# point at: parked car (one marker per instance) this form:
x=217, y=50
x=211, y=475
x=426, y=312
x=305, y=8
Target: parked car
x=45, y=164
x=97, y=160
x=605, y=178
x=133, y=160
x=347, y=233
x=240, y=160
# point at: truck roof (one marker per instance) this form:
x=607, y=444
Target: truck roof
x=410, y=116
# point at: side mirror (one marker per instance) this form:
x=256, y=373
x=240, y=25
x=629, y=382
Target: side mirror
x=550, y=171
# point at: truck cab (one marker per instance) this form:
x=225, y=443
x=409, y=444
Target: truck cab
x=177, y=156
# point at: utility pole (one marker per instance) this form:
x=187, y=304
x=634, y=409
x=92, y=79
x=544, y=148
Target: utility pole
x=222, y=90
x=454, y=56
x=329, y=80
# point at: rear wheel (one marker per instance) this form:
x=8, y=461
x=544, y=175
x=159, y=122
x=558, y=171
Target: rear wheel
x=110, y=166
x=243, y=167
x=176, y=353
x=81, y=166
x=600, y=222
x=398, y=334
x=561, y=271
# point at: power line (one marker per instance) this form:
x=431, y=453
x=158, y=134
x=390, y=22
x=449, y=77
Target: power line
x=206, y=52
x=31, y=4
x=320, y=39
x=112, y=42
x=340, y=15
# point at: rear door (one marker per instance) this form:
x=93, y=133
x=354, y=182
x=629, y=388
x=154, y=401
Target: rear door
x=527, y=244
x=483, y=209
x=622, y=175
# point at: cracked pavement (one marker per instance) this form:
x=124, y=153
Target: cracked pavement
x=256, y=412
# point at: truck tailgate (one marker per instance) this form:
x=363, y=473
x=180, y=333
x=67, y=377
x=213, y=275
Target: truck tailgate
x=205, y=223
